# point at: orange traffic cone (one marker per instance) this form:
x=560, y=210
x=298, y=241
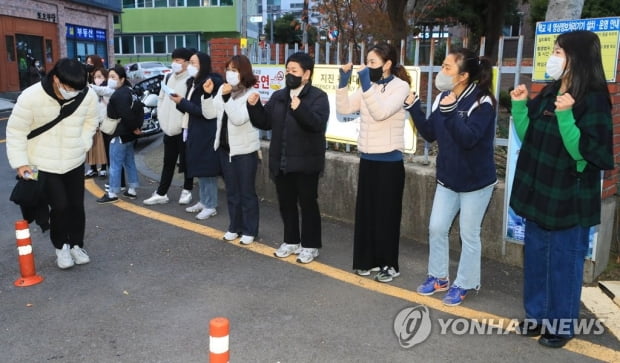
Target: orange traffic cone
x=26, y=257
x=218, y=340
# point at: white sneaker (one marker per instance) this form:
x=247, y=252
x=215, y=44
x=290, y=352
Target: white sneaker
x=367, y=272
x=79, y=255
x=186, y=197
x=107, y=188
x=287, y=249
x=195, y=208
x=63, y=257
x=156, y=199
x=307, y=255
x=206, y=213
x=230, y=236
x=246, y=240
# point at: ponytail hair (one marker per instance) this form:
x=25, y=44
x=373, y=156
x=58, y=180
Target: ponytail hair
x=480, y=71
x=387, y=52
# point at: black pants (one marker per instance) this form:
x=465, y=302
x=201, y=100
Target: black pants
x=65, y=194
x=173, y=148
x=300, y=188
x=377, y=214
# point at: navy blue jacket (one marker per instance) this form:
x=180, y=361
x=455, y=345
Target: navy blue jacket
x=465, y=137
x=200, y=157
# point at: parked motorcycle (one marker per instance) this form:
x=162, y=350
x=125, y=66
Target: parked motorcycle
x=148, y=92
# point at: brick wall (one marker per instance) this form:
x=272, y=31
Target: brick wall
x=221, y=51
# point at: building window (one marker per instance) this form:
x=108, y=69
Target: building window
x=127, y=46
x=221, y=2
x=161, y=3
x=193, y=2
x=10, y=48
x=129, y=4
x=148, y=44
x=176, y=3
x=159, y=44
x=145, y=3
x=191, y=41
x=117, y=45
x=117, y=19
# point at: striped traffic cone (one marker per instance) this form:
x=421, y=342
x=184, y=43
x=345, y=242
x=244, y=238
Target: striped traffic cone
x=26, y=257
x=219, y=329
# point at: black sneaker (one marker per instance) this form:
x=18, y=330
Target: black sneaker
x=129, y=195
x=106, y=199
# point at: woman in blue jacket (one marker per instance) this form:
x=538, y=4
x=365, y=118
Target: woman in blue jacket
x=463, y=124
x=201, y=159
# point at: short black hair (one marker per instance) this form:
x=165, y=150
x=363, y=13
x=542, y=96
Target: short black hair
x=183, y=53
x=70, y=72
x=304, y=59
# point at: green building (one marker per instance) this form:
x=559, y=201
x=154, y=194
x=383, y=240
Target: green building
x=151, y=29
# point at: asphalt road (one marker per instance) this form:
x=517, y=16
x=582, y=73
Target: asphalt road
x=158, y=276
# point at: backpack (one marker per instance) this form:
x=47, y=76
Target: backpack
x=137, y=108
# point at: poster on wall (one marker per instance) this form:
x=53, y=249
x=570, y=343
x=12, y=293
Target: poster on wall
x=340, y=128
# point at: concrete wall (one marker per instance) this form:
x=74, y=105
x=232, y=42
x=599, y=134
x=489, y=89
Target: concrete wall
x=338, y=189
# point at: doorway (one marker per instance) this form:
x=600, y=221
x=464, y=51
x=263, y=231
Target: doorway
x=29, y=50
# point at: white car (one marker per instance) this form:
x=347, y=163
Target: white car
x=139, y=71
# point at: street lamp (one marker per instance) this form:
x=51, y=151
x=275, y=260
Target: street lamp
x=272, y=10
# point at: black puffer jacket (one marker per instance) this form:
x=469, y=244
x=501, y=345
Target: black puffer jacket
x=298, y=137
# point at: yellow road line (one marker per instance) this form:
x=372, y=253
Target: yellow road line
x=575, y=345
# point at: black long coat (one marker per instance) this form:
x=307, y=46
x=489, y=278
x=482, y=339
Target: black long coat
x=200, y=157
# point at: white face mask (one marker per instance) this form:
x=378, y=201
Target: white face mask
x=112, y=83
x=98, y=81
x=176, y=67
x=555, y=67
x=443, y=82
x=232, y=78
x=67, y=95
x=192, y=70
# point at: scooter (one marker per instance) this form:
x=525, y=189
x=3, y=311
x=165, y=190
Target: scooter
x=148, y=92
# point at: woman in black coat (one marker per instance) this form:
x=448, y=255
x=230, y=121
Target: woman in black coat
x=297, y=116
x=201, y=160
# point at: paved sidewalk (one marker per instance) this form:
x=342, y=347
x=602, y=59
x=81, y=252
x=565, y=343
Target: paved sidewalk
x=6, y=104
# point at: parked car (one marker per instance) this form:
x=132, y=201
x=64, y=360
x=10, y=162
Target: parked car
x=139, y=71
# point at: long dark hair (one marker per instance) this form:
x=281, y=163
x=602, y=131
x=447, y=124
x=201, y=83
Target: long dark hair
x=388, y=52
x=584, y=64
x=205, y=66
x=121, y=72
x=480, y=71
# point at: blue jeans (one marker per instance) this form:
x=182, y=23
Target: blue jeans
x=239, y=174
x=208, y=191
x=122, y=156
x=446, y=204
x=553, y=275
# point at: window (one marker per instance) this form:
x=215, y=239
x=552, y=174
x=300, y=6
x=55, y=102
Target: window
x=10, y=48
x=139, y=46
x=159, y=44
x=148, y=46
x=191, y=41
x=145, y=3
x=117, y=45
x=127, y=46
x=161, y=3
x=170, y=43
x=179, y=41
x=221, y=2
x=49, y=53
x=175, y=3
x=117, y=19
x=129, y=4
x=193, y=2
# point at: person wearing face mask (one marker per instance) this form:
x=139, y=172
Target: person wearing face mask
x=237, y=144
x=93, y=62
x=297, y=116
x=201, y=160
x=57, y=153
x=98, y=155
x=122, y=140
x=462, y=122
x=170, y=121
x=381, y=140
x=567, y=139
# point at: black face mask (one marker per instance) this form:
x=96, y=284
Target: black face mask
x=375, y=73
x=292, y=81
x=90, y=68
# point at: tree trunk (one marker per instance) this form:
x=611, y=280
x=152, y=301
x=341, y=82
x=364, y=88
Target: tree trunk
x=564, y=9
x=396, y=13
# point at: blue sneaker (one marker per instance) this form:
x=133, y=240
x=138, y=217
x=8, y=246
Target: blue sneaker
x=433, y=285
x=455, y=296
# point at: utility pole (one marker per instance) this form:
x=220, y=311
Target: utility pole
x=304, y=24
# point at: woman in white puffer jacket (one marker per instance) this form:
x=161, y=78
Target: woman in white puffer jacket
x=237, y=144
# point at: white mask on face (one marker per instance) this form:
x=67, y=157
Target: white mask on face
x=176, y=67
x=112, y=83
x=192, y=70
x=443, y=82
x=232, y=78
x=98, y=81
x=555, y=67
x=67, y=95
